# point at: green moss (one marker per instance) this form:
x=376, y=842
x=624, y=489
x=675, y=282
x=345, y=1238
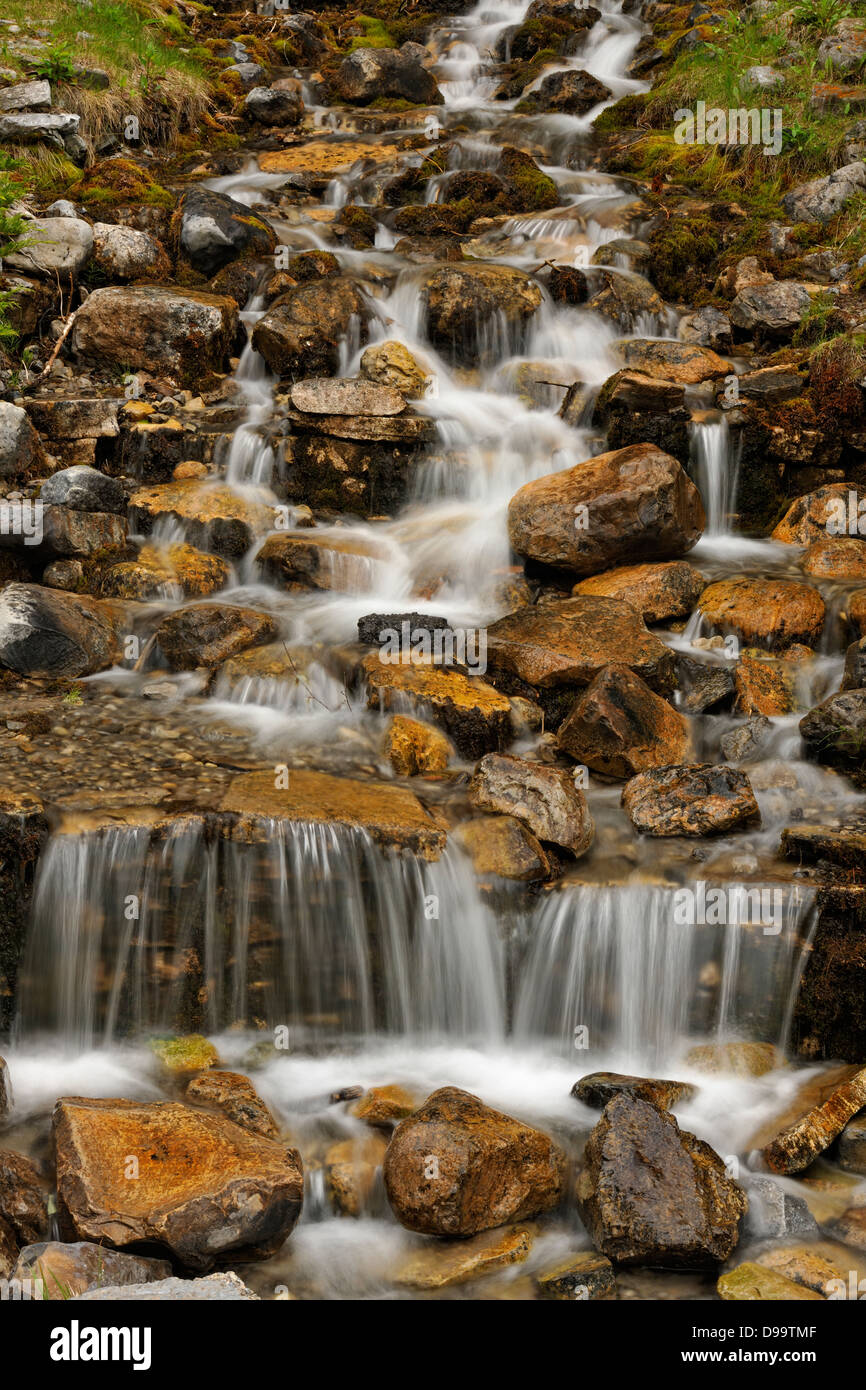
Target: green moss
x=375, y=34
x=117, y=181
x=533, y=189
x=681, y=253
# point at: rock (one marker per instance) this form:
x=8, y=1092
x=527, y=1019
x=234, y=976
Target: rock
x=393, y=816
x=47, y=633
x=708, y=327
x=64, y=574
x=26, y=96
x=835, y=729
x=413, y=748
x=70, y=532
x=620, y=507
x=600, y=1087
x=806, y=520
x=457, y=1261
x=191, y=1052
x=744, y=743
x=83, y=489
x=751, y=1282
x=851, y=1148
x=790, y=1141
x=774, y=1211
x=703, y=685
x=205, y=1189
x=351, y=1171
x=586, y=1275
x=475, y=716
x=23, y=1212
x=821, y=200
x=178, y=570
x=738, y=1058
x=274, y=106
x=463, y=302
x=215, y=1288
x=383, y=1106
x=630, y=391
x=391, y=364
x=695, y=799
x=844, y=48
x=746, y=274
x=770, y=384
x=653, y=1194
x=207, y=634
x=76, y=417
x=213, y=517
x=619, y=726
x=122, y=253
x=329, y=561
x=369, y=73
x=762, y=78
x=771, y=311
x=771, y=613
x=69, y=1270
x=182, y=332
x=346, y=397
x=55, y=127
x=567, y=643
x=250, y=74
x=504, y=846
x=855, y=666
x=574, y=92
x=624, y=298
x=544, y=798
x=20, y=448
x=492, y=1169
x=857, y=611
x=763, y=686
x=665, y=360
x=53, y=245
x=851, y=1228
x=300, y=334
x=215, y=229
x=836, y=557
x=236, y=1097
x=807, y=1266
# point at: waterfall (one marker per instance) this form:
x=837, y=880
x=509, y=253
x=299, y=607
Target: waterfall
x=715, y=462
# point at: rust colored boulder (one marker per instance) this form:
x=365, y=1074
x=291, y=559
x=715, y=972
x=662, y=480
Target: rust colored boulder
x=770, y=613
x=168, y=1175
x=634, y=504
x=619, y=727
x=694, y=799
x=457, y=1167
x=658, y=592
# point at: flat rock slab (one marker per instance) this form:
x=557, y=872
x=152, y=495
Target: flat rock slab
x=457, y=1261
x=34, y=125
x=372, y=429
x=392, y=815
x=215, y=1288
x=200, y=1186
x=753, y=1283
x=819, y=1112
x=599, y=1087
x=26, y=96
x=321, y=396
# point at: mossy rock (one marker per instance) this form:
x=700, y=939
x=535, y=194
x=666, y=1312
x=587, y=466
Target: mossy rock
x=682, y=253
x=189, y=1053
x=112, y=182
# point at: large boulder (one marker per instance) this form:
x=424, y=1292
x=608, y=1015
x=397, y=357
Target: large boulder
x=47, y=633
x=629, y=505
x=771, y=613
x=200, y=1187
x=544, y=798
x=573, y=92
x=457, y=1167
x=806, y=520
x=369, y=73
x=54, y=246
x=835, y=730
x=208, y=634
x=620, y=727
x=123, y=253
x=274, y=106
x=693, y=799
x=301, y=333
x=771, y=311
x=215, y=229
x=182, y=332
x=463, y=303
x=667, y=360
x=651, y=1193
x=83, y=489
x=20, y=447
x=658, y=592
x=821, y=200
x=156, y=572
x=568, y=642
x=841, y=558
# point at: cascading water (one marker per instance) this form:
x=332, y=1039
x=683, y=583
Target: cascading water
x=716, y=466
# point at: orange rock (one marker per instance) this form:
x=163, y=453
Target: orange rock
x=822, y=1107
x=383, y=1106
x=502, y=845
x=806, y=519
x=770, y=613
x=763, y=686
x=619, y=727
x=836, y=557
x=658, y=592
x=237, y=1098
x=471, y=712
x=413, y=747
